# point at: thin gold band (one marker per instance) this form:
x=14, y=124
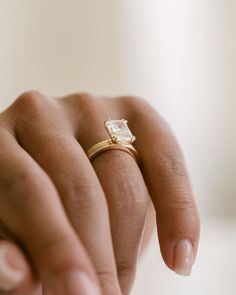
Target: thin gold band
x=107, y=144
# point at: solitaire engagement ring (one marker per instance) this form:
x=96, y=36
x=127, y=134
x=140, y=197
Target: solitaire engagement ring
x=121, y=138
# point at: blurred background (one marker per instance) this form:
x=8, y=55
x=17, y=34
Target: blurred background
x=178, y=54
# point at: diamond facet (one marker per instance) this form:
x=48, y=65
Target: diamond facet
x=119, y=131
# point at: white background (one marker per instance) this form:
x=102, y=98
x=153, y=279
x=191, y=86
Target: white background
x=178, y=54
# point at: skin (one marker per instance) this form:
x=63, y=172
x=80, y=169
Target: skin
x=53, y=200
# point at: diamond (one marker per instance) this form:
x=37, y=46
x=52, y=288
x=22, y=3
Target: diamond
x=119, y=131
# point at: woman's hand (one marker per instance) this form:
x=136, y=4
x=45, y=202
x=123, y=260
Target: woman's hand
x=77, y=226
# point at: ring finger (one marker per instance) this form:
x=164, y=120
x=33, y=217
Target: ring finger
x=124, y=187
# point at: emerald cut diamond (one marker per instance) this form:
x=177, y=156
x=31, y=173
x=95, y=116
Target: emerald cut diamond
x=119, y=131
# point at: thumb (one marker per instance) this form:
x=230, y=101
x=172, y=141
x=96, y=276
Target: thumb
x=15, y=272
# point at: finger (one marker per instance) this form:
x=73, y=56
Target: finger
x=16, y=275
x=60, y=155
x=15, y=272
x=30, y=207
x=126, y=194
x=124, y=188
x=168, y=182
x=128, y=202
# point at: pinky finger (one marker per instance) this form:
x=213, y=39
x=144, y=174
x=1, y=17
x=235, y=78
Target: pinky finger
x=15, y=272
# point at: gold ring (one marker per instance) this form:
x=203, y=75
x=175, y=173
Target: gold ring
x=121, y=139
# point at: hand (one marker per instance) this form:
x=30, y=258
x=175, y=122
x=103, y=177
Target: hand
x=77, y=226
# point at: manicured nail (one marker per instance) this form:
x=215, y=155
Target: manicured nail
x=183, y=257
x=10, y=277
x=79, y=283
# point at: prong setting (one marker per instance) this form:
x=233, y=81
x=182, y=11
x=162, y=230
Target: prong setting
x=133, y=138
x=114, y=138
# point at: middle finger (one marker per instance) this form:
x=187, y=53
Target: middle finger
x=50, y=141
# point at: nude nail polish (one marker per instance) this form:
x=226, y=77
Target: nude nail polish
x=183, y=257
x=10, y=277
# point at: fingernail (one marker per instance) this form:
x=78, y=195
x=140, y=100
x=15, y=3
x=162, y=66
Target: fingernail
x=183, y=257
x=79, y=283
x=10, y=277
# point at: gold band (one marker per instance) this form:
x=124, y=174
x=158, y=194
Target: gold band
x=107, y=144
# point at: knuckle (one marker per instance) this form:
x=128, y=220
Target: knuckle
x=107, y=276
x=81, y=198
x=86, y=104
x=16, y=183
x=184, y=216
x=90, y=107
x=172, y=161
x=183, y=206
x=133, y=194
x=133, y=201
x=32, y=101
x=31, y=179
x=137, y=205
x=53, y=244
x=50, y=250
x=86, y=100
x=84, y=96
x=29, y=97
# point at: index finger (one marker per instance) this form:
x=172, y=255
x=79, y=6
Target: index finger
x=30, y=208
x=165, y=173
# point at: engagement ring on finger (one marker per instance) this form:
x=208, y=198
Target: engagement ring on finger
x=121, y=138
